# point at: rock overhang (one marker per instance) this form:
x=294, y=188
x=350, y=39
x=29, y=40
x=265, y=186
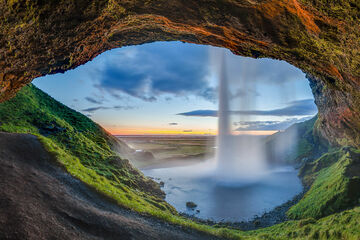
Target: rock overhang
x=46, y=37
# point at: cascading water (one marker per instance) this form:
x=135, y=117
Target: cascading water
x=240, y=158
x=237, y=184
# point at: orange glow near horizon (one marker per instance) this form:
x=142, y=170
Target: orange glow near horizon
x=139, y=131
x=144, y=131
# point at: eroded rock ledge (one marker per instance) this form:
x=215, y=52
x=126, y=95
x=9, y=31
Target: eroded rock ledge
x=44, y=37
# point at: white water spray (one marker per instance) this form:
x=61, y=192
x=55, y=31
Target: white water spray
x=240, y=158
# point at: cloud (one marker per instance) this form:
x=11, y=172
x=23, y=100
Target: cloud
x=94, y=109
x=151, y=70
x=173, y=124
x=187, y=130
x=93, y=100
x=268, y=125
x=148, y=71
x=123, y=107
x=200, y=113
x=295, y=108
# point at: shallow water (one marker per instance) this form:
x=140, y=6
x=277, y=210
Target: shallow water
x=225, y=201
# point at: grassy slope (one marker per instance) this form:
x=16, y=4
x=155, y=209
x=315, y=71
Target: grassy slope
x=344, y=225
x=84, y=149
x=81, y=143
x=333, y=189
x=323, y=170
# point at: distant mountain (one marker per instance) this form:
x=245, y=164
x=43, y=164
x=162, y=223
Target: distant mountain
x=295, y=145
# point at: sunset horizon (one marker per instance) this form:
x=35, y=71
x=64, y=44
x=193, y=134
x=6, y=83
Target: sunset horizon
x=138, y=132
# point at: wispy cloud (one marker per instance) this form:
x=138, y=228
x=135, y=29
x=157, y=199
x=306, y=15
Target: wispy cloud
x=123, y=107
x=295, y=108
x=173, y=124
x=200, y=113
x=94, y=109
x=93, y=100
x=268, y=125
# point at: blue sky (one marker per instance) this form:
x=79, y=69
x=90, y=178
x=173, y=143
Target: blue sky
x=171, y=87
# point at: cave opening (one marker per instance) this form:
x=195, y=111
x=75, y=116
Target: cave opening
x=40, y=38
x=162, y=100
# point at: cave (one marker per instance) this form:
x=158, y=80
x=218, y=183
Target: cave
x=39, y=38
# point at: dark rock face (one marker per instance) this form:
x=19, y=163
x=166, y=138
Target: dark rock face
x=44, y=37
x=339, y=113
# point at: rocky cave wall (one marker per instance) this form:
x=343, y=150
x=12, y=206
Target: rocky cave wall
x=321, y=37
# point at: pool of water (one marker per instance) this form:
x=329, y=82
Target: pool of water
x=225, y=201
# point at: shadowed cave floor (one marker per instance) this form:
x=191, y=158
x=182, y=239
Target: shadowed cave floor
x=38, y=200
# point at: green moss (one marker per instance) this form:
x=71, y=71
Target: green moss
x=122, y=194
x=344, y=225
x=115, y=10
x=331, y=190
x=33, y=111
x=340, y=9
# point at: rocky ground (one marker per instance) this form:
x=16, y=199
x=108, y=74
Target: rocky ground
x=38, y=200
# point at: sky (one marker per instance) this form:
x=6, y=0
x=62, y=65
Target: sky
x=171, y=88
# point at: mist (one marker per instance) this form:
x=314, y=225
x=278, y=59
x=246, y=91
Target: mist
x=240, y=158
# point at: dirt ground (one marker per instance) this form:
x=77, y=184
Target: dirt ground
x=38, y=200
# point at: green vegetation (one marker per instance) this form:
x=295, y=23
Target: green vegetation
x=342, y=9
x=84, y=149
x=122, y=194
x=323, y=169
x=344, y=225
x=80, y=142
x=333, y=188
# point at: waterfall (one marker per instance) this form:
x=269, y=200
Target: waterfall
x=223, y=148
x=240, y=158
